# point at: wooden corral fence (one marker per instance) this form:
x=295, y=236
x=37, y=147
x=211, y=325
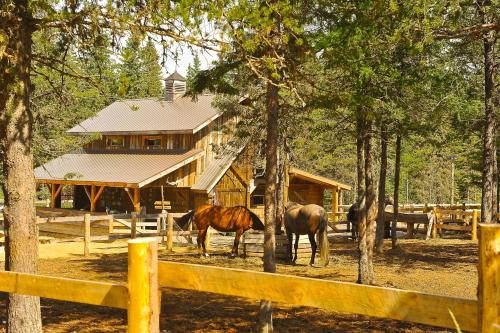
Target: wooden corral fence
x=146, y=275
x=85, y=219
x=252, y=245
x=456, y=220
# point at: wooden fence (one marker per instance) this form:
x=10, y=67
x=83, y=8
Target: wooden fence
x=146, y=276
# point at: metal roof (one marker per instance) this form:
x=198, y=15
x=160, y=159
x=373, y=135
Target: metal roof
x=327, y=182
x=214, y=172
x=151, y=116
x=115, y=168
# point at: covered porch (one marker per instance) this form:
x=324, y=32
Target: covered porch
x=121, y=181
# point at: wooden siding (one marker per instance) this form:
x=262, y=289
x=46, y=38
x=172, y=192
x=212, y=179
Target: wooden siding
x=306, y=193
x=230, y=191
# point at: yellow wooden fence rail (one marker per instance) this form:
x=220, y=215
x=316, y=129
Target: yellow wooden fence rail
x=330, y=295
x=72, y=290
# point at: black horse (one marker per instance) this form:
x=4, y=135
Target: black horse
x=352, y=216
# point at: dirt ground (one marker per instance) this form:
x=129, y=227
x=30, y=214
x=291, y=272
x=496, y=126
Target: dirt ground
x=442, y=266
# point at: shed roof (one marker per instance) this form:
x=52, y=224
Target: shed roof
x=151, y=116
x=327, y=182
x=126, y=168
x=215, y=171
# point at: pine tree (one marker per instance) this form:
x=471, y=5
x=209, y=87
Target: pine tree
x=192, y=71
x=140, y=72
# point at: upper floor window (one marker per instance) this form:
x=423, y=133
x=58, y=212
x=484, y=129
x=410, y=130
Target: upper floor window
x=115, y=142
x=152, y=142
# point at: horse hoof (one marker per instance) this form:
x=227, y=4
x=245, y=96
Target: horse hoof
x=205, y=255
x=232, y=256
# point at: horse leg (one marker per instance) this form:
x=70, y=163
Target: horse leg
x=234, y=252
x=202, y=234
x=296, y=246
x=314, y=246
x=289, y=235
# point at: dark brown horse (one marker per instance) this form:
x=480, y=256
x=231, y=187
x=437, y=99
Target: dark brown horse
x=352, y=215
x=238, y=219
x=308, y=219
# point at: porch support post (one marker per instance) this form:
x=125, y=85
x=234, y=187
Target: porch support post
x=335, y=203
x=92, y=198
x=137, y=200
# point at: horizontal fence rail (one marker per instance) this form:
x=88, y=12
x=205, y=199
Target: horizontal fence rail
x=63, y=289
x=344, y=297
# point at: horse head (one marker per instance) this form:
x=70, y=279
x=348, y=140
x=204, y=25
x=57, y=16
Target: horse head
x=389, y=201
x=256, y=222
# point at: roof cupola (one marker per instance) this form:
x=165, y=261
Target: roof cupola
x=175, y=86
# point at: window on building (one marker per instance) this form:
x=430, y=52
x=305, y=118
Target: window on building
x=152, y=142
x=257, y=200
x=115, y=142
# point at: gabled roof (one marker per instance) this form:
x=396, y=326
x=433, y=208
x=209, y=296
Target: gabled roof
x=176, y=77
x=151, y=116
x=327, y=182
x=128, y=168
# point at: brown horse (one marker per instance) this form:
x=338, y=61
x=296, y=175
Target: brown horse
x=238, y=219
x=308, y=219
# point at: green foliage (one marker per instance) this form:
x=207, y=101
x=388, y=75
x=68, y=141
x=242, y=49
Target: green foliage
x=139, y=72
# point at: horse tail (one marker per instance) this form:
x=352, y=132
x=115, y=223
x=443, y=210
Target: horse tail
x=256, y=222
x=324, y=245
x=184, y=220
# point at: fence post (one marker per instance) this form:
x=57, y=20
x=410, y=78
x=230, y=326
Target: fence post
x=86, y=235
x=110, y=226
x=474, y=224
x=133, y=225
x=163, y=225
x=170, y=231
x=436, y=221
x=143, y=306
x=489, y=278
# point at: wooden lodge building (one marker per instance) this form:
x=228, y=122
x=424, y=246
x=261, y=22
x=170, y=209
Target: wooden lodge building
x=148, y=146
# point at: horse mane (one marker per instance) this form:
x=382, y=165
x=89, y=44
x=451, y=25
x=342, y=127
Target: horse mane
x=291, y=204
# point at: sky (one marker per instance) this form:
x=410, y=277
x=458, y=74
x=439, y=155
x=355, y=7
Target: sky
x=185, y=58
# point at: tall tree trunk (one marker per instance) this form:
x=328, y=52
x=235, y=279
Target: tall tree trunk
x=363, y=270
x=371, y=208
x=280, y=191
x=16, y=122
x=488, y=199
x=397, y=173
x=379, y=241
x=265, y=323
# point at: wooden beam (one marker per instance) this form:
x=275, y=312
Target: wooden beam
x=92, y=198
x=98, y=194
x=129, y=195
x=55, y=189
x=335, y=203
x=336, y=296
x=238, y=175
x=71, y=290
x=87, y=192
x=137, y=200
